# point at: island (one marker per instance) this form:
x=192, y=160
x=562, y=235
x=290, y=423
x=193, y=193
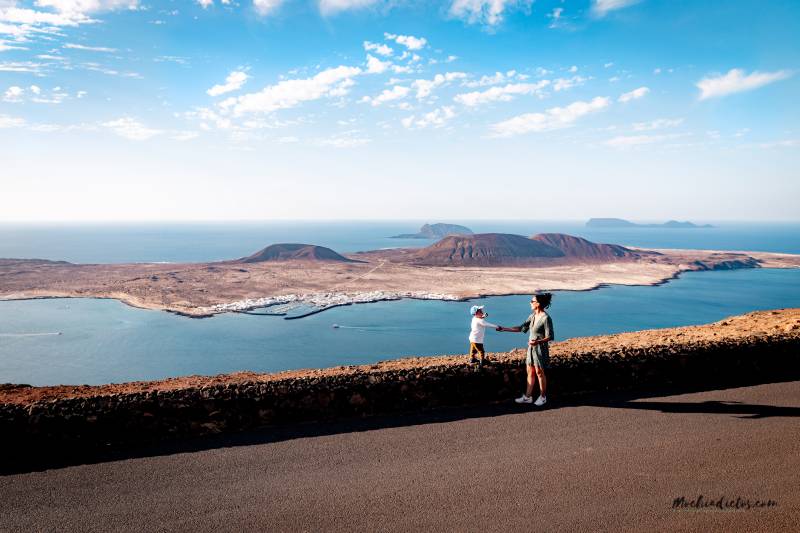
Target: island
x=295, y=280
x=621, y=223
x=435, y=231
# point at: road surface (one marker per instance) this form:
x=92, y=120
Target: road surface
x=604, y=463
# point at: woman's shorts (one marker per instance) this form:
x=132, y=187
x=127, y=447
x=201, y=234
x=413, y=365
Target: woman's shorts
x=537, y=359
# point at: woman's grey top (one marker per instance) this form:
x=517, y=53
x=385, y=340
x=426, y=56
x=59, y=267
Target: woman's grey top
x=540, y=327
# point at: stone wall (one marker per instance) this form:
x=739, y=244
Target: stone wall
x=99, y=420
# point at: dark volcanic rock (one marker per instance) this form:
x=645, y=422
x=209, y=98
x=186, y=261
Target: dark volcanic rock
x=295, y=252
x=436, y=231
x=579, y=248
x=485, y=249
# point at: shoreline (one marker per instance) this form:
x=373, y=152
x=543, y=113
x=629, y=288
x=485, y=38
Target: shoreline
x=297, y=289
x=344, y=299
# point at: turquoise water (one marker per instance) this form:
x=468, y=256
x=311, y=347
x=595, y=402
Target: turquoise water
x=176, y=242
x=105, y=341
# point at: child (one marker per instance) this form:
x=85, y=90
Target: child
x=478, y=328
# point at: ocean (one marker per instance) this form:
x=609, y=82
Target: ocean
x=94, y=341
x=184, y=242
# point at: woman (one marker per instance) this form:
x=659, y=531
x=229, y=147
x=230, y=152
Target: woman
x=540, y=326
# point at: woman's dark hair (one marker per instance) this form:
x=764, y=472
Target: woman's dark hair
x=544, y=299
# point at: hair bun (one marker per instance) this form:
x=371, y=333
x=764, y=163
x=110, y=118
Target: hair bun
x=544, y=299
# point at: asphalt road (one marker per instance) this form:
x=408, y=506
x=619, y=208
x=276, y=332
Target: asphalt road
x=606, y=463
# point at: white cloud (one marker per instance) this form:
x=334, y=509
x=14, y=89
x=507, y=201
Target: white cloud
x=555, y=16
x=376, y=66
x=562, y=84
x=496, y=79
x=21, y=66
x=488, y=12
x=13, y=94
x=402, y=69
x=573, y=69
x=131, y=128
x=205, y=3
x=409, y=41
x=633, y=95
x=185, y=135
x=96, y=67
x=4, y=46
x=290, y=93
x=233, y=82
x=608, y=65
x=436, y=119
x=51, y=57
x=348, y=139
x=328, y=7
x=89, y=48
x=736, y=81
x=602, y=7
x=786, y=143
x=11, y=122
x=38, y=18
x=657, y=124
x=424, y=88
x=21, y=23
x=17, y=94
x=503, y=94
x=380, y=49
x=630, y=141
x=88, y=6
x=552, y=119
x=266, y=7
x=398, y=92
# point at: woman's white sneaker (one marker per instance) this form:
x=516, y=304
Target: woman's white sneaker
x=524, y=399
x=540, y=401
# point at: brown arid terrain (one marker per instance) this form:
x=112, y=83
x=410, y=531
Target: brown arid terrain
x=759, y=325
x=498, y=265
x=289, y=252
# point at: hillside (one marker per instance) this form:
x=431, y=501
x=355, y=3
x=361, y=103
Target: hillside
x=579, y=248
x=484, y=249
x=295, y=252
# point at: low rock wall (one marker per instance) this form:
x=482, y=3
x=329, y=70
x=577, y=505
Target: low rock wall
x=104, y=420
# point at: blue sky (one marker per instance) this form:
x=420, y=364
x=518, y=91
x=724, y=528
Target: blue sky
x=461, y=109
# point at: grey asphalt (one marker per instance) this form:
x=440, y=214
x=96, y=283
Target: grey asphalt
x=604, y=463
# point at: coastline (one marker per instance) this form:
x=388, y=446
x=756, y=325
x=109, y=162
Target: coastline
x=203, y=290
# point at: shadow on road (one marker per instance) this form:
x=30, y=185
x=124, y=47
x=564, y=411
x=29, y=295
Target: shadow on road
x=620, y=400
x=743, y=410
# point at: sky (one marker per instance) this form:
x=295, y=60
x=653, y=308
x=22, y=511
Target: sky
x=376, y=109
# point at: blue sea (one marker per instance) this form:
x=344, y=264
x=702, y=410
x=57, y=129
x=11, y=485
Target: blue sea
x=94, y=341
x=181, y=242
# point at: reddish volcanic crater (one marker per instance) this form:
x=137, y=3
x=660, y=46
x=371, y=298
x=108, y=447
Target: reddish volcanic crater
x=498, y=249
x=579, y=248
x=485, y=249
